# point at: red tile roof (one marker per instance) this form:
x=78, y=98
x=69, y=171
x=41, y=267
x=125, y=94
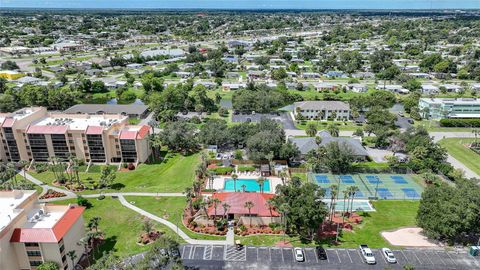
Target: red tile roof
x=49, y=235
x=237, y=200
x=144, y=130
x=47, y=129
x=128, y=135
x=94, y=130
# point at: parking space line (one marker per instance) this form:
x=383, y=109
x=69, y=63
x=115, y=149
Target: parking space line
x=192, y=252
x=183, y=252
x=283, y=259
x=257, y=253
x=383, y=257
x=315, y=255
x=415, y=254
x=428, y=257
x=340, y=260
x=270, y=253
x=359, y=255
x=440, y=258
x=348, y=253
x=454, y=262
x=406, y=258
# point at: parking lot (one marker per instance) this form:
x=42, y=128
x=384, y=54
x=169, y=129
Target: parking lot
x=227, y=257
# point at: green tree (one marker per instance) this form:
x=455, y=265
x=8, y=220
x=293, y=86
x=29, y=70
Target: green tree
x=107, y=176
x=48, y=266
x=311, y=129
x=335, y=157
x=249, y=205
x=333, y=130
x=179, y=136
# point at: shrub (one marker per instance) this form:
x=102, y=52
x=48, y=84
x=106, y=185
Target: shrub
x=83, y=202
x=101, y=197
x=469, y=122
x=222, y=170
x=131, y=167
x=246, y=168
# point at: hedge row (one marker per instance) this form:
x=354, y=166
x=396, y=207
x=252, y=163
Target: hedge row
x=467, y=122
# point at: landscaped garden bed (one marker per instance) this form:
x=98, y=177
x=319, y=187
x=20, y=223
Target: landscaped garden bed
x=52, y=194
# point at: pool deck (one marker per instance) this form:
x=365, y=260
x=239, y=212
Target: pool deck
x=219, y=181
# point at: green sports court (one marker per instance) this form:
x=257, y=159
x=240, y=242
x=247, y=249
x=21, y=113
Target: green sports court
x=371, y=186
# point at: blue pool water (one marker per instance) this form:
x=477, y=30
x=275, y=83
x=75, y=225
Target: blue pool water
x=251, y=185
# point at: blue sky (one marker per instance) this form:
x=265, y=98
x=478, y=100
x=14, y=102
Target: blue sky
x=247, y=4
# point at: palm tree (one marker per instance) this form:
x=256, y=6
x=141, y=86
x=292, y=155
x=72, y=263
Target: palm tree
x=333, y=196
x=353, y=192
x=93, y=223
x=333, y=130
x=270, y=207
x=249, y=205
x=225, y=206
x=283, y=175
x=346, y=194
x=156, y=144
x=72, y=256
x=85, y=242
x=261, y=182
x=244, y=187
x=190, y=195
x=197, y=188
x=318, y=140
x=311, y=129
x=215, y=202
x=12, y=173
x=235, y=177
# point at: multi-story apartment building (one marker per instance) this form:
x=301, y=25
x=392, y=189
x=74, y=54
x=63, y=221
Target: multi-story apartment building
x=322, y=110
x=438, y=108
x=32, y=233
x=35, y=134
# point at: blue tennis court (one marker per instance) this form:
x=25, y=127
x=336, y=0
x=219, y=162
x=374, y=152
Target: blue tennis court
x=384, y=193
x=399, y=179
x=322, y=179
x=346, y=179
x=411, y=193
x=388, y=186
x=372, y=179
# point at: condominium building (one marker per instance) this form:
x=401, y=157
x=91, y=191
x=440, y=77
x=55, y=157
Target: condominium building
x=32, y=233
x=438, y=108
x=35, y=134
x=322, y=110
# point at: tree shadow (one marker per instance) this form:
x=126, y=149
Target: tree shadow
x=107, y=246
x=117, y=186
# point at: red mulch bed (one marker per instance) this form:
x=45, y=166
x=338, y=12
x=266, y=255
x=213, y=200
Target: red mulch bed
x=52, y=194
x=283, y=244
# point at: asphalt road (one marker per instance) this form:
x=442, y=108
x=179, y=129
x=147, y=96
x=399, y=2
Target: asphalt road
x=227, y=257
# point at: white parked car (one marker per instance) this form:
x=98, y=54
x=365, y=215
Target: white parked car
x=299, y=256
x=388, y=254
x=367, y=254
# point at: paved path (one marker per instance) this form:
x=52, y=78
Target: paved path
x=45, y=187
x=145, y=194
x=437, y=136
x=459, y=165
x=172, y=226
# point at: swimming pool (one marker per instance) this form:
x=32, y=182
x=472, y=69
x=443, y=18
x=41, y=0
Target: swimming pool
x=251, y=185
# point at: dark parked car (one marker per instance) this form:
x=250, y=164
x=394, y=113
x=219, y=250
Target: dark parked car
x=321, y=253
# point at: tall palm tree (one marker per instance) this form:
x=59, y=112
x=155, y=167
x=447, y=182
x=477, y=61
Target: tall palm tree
x=333, y=130
x=346, y=194
x=249, y=205
x=353, y=192
x=216, y=202
x=333, y=196
x=226, y=207
x=269, y=205
x=283, y=175
x=93, y=223
x=72, y=256
x=190, y=195
x=235, y=177
x=261, y=182
x=85, y=242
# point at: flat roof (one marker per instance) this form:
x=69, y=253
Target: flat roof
x=9, y=203
x=74, y=122
x=108, y=109
x=466, y=101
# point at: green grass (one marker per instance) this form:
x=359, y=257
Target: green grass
x=389, y=215
x=173, y=174
x=171, y=209
x=456, y=147
x=321, y=125
x=434, y=126
x=122, y=227
x=302, y=176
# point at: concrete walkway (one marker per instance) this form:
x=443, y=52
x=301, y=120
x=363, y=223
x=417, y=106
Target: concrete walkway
x=172, y=226
x=45, y=187
x=459, y=165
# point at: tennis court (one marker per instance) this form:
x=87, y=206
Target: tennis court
x=370, y=186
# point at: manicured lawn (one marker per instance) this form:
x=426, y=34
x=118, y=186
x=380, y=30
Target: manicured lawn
x=321, y=125
x=173, y=174
x=388, y=215
x=456, y=147
x=122, y=227
x=171, y=209
x=434, y=126
x=302, y=176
